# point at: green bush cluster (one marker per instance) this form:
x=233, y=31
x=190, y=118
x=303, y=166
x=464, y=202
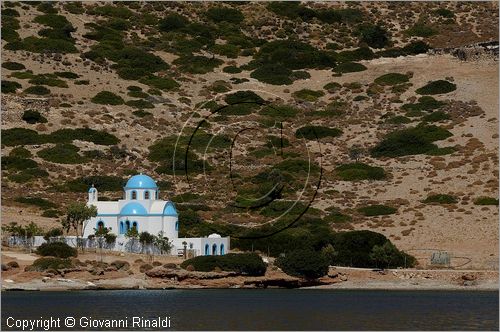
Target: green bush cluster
x=373, y=35
x=437, y=87
x=377, y=210
x=486, y=201
x=316, y=132
x=23, y=136
x=411, y=141
x=224, y=14
x=46, y=263
x=37, y=201
x=10, y=65
x=425, y=103
x=359, y=171
x=102, y=182
x=421, y=30
x=246, y=263
x=32, y=117
x=295, y=10
x=22, y=169
x=441, y=199
x=10, y=86
x=349, y=67
x=308, y=95
x=392, y=79
x=307, y=264
x=62, y=154
x=275, y=61
x=197, y=64
x=436, y=117
x=37, y=90
x=56, y=249
x=107, y=98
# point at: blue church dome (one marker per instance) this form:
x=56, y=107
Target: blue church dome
x=92, y=189
x=141, y=181
x=169, y=210
x=133, y=208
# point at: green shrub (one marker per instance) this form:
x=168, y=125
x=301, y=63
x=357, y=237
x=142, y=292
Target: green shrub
x=20, y=152
x=315, y=132
x=388, y=255
x=42, y=45
x=335, y=216
x=349, y=67
x=273, y=74
x=137, y=94
x=172, y=22
x=197, y=64
x=377, y=210
x=361, y=53
x=441, y=199
x=436, y=117
x=425, y=103
x=398, y=119
x=32, y=117
x=107, y=98
x=392, y=79
x=36, y=201
x=82, y=82
x=332, y=86
x=56, y=249
x=102, y=182
x=421, y=30
x=17, y=163
x=52, y=20
x=243, y=96
x=246, y=263
x=231, y=70
x=486, y=201
x=227, y=50
x=359, y=171
x=224, y=14
x=373, y=35
x=51, y=213
x=162, y=83
x=46, y=263
x=279, y=111
x=13, y=65
x=10, y=12
x=48, y=79
x=82, y=134
x=62, y=154
x=303, y=263
x=66, y=74
x=141, y=113
x=308, y=95
x=113, y=11
x=441, y=151
x=436, y=87
x=410, y=141
x=443, y=12
x=37, y=90
x=140, y=103
x=10, y=86
x=20, y=136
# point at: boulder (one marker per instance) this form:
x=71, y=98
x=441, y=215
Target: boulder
x=469, y=277
x=170, y=266
x=13, y=264
x=5, y=267
x=121, y=265
x=145, y=267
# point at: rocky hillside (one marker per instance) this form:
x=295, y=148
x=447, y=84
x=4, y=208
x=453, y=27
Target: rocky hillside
x=257, y=116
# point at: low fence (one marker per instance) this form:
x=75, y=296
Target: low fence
x=120, y=244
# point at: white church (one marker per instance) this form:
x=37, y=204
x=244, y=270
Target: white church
x=142, y=208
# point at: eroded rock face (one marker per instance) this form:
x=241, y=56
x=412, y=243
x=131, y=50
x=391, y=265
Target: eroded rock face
x=162, y=272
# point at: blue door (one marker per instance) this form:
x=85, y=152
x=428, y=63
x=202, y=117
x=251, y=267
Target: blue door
x=222, y=249
x=207, y=250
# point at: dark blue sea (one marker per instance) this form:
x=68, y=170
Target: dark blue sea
x=269, y=309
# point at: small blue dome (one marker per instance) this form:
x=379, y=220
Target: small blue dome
x=169, y=210
x=133, y=208
x=141, y=181
x=92, y=189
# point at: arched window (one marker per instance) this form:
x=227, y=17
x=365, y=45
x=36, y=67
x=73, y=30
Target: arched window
x=134, y=194
x=214, y=249
x=222, y=249
x=122, y=229
x=207, y=250
x=127, y=225
x=146, y=195
x=134, y=225
x=100, y=225
x=176, y=225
